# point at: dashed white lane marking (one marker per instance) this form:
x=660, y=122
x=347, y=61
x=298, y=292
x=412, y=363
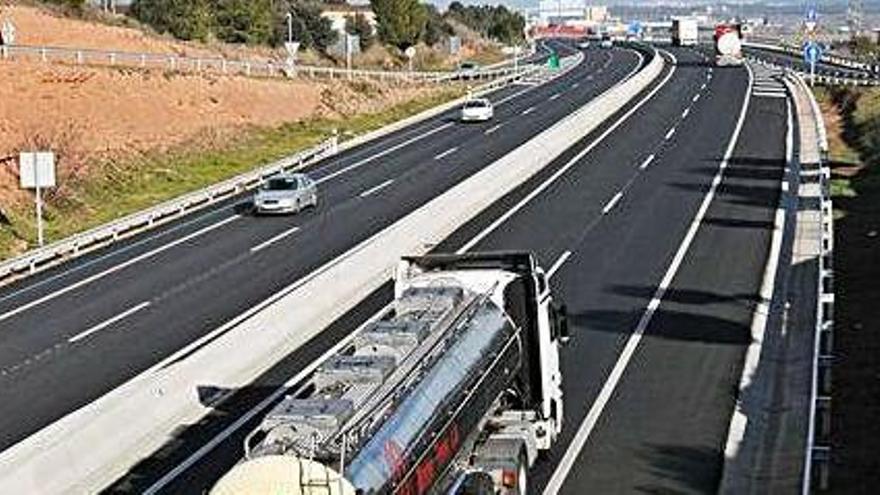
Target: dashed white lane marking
x=446, y=153
x=528, y=111
x=374, y=190
x=647, y=162
x=611, y=204
x=685, y=113
x=557, y=95
x=575, y=85
x=106, y=323
x=669, y=133
x=116, y=268
x=589, y=423
x=704, y=86
x=273, y=239
x=696, y=98
x=558, y=263
x=492, y=129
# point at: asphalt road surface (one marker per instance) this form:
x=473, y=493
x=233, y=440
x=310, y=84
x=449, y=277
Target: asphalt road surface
x=73, y=333
x=656, y=230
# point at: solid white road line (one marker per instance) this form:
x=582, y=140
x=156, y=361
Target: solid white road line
x=528, y=111
x=589, y=423
x=647, y=162
x=670, y=133
x=492, y=129
x=558, y=264
x=571, y=163
x=557, y=95
x=374, y=190
x=686, y=112
x=107, y=323
x=739, y=420
x=273, y=240
x=612, y=203
x=247, y=417
x=446, y=153
x=385, y=152
x=116, y=268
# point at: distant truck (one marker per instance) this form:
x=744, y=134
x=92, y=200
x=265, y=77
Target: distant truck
x=728, y=45
x=685, y=32
x=454, y=390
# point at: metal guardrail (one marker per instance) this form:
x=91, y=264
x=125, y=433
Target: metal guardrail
x=836, y=79
x=81, y=243
x=217, y=65
x=832, y=59
x=817, y=450
x=78, y=244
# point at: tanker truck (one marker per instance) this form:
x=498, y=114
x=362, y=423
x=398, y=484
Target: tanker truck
x=455, y=389
x=728, y=45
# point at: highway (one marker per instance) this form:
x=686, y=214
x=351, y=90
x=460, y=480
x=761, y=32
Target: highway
x=655, y=230
x=73, y=333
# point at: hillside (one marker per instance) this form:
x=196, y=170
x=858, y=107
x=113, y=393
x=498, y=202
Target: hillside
x=113, y=127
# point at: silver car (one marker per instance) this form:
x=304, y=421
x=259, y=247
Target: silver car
x=286, y=193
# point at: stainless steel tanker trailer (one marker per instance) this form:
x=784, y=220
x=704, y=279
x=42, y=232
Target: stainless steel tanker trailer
x=455, y=389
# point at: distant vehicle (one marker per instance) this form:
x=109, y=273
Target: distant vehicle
x=468, y=70
x=606, y=43
x=477, y=110
x=583, y=44
x=455, y=389
x=685, y=32
x=728, y=45
x=286, y=193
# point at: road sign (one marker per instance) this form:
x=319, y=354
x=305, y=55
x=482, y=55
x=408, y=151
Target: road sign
x=811, y=18
x=36, y=171
x=812, y=52
x=553, y=60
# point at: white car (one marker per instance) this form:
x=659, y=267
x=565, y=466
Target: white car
x=583, y=45
x=286, y=193
x=477, y=110
x=606, y=43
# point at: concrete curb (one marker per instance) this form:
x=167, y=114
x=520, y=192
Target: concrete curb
x=95, y=445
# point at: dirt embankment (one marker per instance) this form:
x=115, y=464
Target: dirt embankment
x=109, y=117
x=853, y=121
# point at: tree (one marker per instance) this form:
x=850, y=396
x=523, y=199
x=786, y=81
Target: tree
x=309, y=28
x=436, y=27
x=401, y=22
x=184, y=19
x=496, y=22
x=244, y=21
x=359, y=26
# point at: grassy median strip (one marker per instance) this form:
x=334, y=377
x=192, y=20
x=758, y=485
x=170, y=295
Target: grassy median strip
x=118, y=188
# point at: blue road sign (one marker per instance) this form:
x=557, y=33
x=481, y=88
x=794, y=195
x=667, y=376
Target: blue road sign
x=635, y=27
x=812, y=52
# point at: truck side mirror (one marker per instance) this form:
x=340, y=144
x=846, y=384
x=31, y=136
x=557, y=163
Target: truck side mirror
x=562, y=321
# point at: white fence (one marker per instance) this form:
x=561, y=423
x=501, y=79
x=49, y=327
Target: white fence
x=217, y=65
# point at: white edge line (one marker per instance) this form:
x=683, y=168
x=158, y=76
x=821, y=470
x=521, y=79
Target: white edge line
x=739, y=420
x=106, y=323
x=216, y=440
x=115, y=268
x=385, y=152
x=273, y=239
x=562, y=170
x=590, y=421
x=612, y=203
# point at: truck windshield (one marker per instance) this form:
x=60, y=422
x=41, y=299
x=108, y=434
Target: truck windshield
x=280, y=184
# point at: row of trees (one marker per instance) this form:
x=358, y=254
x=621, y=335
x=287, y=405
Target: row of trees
x=401, y=23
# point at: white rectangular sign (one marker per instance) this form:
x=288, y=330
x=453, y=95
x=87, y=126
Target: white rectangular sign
x=37, y=169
